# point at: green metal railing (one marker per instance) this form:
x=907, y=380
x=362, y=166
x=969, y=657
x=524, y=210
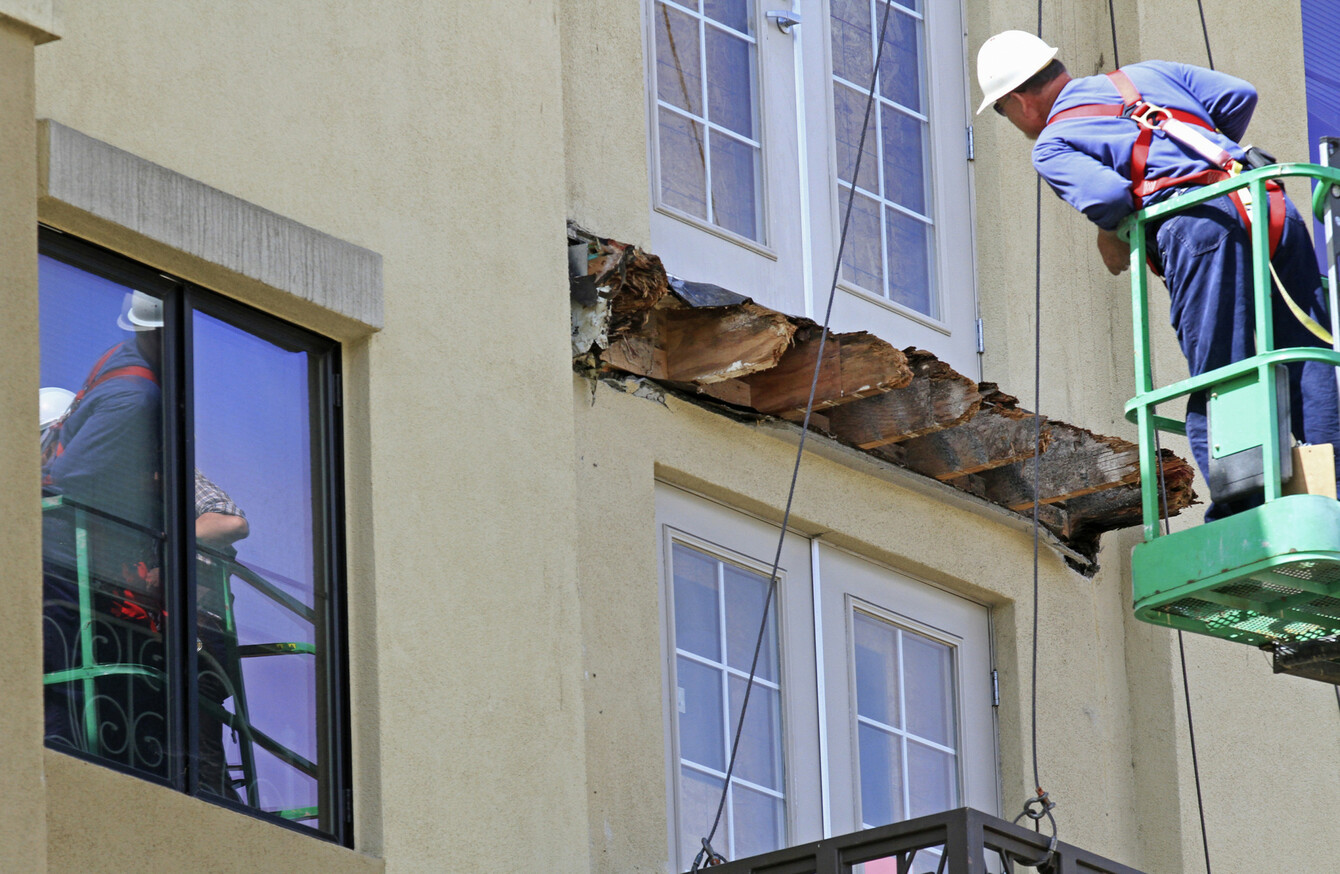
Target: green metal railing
x=220, y=569
x=1142, y=409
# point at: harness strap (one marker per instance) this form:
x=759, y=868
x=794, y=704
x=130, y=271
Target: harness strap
x=1125, y=87
x=94, y=379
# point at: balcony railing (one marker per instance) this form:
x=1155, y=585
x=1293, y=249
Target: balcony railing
x=963, y=841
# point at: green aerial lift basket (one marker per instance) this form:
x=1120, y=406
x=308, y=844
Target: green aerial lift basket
x=1269, y=576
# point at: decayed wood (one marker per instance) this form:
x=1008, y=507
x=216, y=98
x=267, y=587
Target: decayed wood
x=636, y=281
x=854, y=366
x=937, y=398
x=702, y=346
x=998, y=435
x=1078, y=462
x=1082, y=520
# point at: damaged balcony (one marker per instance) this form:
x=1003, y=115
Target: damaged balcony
x=632, y=323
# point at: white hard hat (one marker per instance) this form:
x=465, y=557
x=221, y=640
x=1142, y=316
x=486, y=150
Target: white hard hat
x=140, y=312
x=52, y=403
x=1008, y=60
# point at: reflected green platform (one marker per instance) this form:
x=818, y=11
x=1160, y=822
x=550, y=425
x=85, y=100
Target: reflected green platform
x=1268, y=576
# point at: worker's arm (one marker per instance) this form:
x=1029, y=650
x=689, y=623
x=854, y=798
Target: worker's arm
x=1230, y=101
x=1084, y=182
x=217, y=530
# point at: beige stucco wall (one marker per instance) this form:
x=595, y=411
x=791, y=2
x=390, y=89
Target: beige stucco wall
x=22, y=792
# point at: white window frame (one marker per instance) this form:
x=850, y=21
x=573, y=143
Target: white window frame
x=818, y=742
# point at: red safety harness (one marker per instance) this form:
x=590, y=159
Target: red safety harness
x=1179, y=125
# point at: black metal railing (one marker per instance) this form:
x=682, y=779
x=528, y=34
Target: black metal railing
x=962, y=841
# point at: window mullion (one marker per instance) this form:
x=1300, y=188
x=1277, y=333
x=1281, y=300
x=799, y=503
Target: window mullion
x=179, y=544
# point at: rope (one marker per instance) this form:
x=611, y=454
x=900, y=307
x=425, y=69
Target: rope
x=1040, y=805
x=707, y=854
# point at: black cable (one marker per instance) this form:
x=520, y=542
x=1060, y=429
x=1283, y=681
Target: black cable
x=1112, y=17
x=1209, y=56
x=1195, y=763
x=1037, y=456
x=804, y=432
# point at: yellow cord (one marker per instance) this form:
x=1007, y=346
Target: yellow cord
x=1307, y=321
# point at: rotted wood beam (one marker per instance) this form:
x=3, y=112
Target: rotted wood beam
x=937, y=398
x=854, y=366
x=1078, y=462
x=998, y=435
x=702, y=345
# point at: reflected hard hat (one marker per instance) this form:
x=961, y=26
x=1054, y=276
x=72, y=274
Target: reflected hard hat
x=52, y=404
x=140, y=312
x=1008, y=60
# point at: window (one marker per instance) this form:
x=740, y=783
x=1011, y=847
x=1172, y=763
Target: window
x=883, y=703
x=753, y=152
x=190, y=460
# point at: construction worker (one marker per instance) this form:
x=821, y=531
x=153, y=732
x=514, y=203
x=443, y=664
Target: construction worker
x=1100, y=160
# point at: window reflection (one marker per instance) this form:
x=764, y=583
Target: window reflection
x=250, y=527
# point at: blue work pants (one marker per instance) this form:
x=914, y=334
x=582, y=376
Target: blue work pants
x=1207, y=267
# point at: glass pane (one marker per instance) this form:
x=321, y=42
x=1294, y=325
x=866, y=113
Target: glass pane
x=760, y=824
x=697, y=628
x=683, y=164
x=736, y=204
x=852, y=39
x=732, y=13
x=745, y=593
x=102, y=475
x=910, y=263
x=881, y=763
x=848, y=113
x=932, y=777
x=904, y=160
x=900, y=66
x=930, y=689
x=699, y=795
x=260, y=573
x=876, y=670
x=759, y=759
x=862, y=259
x=700, y=722
x=678, y=62
x=730, y=82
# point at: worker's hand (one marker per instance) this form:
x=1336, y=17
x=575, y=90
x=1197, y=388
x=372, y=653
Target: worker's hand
x=1116, y=252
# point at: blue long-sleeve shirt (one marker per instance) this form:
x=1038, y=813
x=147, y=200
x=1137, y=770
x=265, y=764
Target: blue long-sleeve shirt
x=110, y=461
x=1087, y=161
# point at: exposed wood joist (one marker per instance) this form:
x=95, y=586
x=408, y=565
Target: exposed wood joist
x=1078, y=462
x=702, y=346
x=935, y=399
x=998, y=435
x=907, y=407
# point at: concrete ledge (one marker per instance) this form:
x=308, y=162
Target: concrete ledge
x=38, y=17
x=189, y=216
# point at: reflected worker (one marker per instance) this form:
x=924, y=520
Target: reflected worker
x=103, y=456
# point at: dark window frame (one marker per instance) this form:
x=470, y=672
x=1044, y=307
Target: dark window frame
x=181, y=298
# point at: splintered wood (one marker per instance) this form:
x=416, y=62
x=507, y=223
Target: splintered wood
x=906, y=407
